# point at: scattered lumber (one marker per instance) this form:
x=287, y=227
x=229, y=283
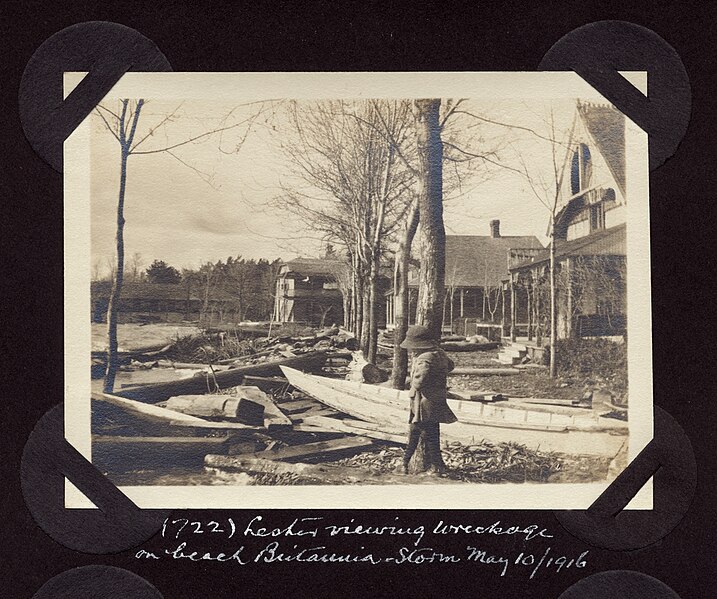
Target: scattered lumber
x=259, y=354
x=326, y=474
x=312, y=450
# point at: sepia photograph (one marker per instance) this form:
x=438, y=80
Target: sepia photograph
x=375, y=290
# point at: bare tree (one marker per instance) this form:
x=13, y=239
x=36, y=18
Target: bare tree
x=133, y=267
x=350, y=186
x=588, y=280
x=548, y=191
x=123, y=125
x=491, y=292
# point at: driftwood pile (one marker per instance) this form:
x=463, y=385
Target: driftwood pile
x=280, y=435
x=222, y=350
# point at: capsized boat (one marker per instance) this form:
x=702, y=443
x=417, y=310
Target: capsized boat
x=559, y=429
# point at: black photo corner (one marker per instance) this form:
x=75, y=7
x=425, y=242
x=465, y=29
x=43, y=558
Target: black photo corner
x=668, y=552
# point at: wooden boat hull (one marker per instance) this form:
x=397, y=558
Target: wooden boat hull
x=205, y=382
x=583, y=433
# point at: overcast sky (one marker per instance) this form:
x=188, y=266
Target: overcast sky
x=207, y=200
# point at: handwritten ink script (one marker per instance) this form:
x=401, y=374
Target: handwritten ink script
x=308, y=539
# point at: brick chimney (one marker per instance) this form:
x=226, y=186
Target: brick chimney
x=495, y=228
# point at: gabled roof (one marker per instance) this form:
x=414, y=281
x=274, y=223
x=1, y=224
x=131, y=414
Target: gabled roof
x=313, y=266
x=481, y=260
x=606, y=242
x=606, y=125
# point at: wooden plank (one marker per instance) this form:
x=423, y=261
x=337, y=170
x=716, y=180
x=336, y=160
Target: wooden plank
x=190, y=365
x=203, y=382
x=327, y=474
x=146, y=411
x=159, y=415
x=318, y=448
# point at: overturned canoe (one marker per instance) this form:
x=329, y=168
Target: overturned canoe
x=561, y=430
x=204, y=382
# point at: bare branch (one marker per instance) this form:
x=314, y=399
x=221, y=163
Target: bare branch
x=193, y=139
x=157, y=126
x=109, y=127
x=510, y=126
x=203, y=176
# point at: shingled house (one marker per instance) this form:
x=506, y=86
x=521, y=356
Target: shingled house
x=476, y=266
x=590, y=237
x=307, y=292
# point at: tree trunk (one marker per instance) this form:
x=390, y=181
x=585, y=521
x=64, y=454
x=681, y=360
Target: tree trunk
x=538, y=316
x=553, y=308
x=113, y=306
x=433, y=234
x=347, y=307
x=366, y=322
x=372, y=344
x=358, y=303
x=125, y=140
x=399, y=371
x=430, y=204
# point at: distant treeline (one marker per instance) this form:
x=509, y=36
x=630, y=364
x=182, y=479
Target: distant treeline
x=235, y=290
x=229, y=291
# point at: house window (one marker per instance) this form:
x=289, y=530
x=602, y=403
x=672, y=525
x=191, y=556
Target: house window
x=580, y=169
x=597, y=216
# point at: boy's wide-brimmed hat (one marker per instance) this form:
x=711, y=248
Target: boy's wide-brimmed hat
x=419, y=337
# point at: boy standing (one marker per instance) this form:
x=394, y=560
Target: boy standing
x=429, y=370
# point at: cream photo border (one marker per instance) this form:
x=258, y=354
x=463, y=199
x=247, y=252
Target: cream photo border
x=243, y=87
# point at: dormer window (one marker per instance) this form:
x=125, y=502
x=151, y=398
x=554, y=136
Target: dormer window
x=580, y=169
x=597, y=216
